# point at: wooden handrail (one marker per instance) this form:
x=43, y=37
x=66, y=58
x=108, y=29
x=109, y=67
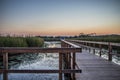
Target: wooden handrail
x=70, y=57
x=93, y=43
x=63, y=50
x=12, y=50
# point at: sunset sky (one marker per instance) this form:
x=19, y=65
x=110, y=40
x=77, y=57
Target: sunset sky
x=59, y=17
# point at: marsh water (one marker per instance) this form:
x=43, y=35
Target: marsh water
x=34, y=61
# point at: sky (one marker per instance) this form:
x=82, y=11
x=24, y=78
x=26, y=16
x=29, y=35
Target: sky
x=60, y=17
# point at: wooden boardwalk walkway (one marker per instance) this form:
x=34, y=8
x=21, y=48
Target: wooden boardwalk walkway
x=95, y=68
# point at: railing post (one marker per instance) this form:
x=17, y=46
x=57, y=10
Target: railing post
x=5, y=65
x=100, y=46
x=109, y=52
x=69, y=59
x=93, y=48
x=60, y=66
x=64, y=61
x=89, y=47
x=73, y=65
x=86, y=45
x=69, y=65
x=64, y=64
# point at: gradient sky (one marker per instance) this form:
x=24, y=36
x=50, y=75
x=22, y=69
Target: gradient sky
x=59, y=17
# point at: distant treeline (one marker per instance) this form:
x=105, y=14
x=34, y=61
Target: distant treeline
x=101, y=38
x=105, y=38
x=21, y=42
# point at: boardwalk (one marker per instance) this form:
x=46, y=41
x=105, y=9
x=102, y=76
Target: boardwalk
x=95, y=68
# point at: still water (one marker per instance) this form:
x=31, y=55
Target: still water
x=34, y=61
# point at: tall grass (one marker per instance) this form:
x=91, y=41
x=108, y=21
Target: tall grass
x=21, y=42
x=34, y=42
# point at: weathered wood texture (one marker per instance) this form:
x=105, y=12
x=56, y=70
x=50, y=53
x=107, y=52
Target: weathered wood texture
x=87, y=45
x=96, y=68
x=11, y=50
x=5, y=50
x=95, y=42
x=60, y=66
x=69, y=60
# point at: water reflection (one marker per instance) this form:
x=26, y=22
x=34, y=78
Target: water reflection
x=35, y=61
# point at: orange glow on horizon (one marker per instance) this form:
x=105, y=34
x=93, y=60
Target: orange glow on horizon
x=61, y=31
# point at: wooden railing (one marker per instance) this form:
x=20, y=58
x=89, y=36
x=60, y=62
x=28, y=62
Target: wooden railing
x=63, y=51
x=92, y=45
x=69, y=59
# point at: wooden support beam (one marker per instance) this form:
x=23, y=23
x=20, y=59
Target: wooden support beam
x=5, y=65
x=60, y=66
x=100, y=47
x=73, y=63
x=66, y=66
x=69, y=65
x=89, y=50
x=109, y=52
x=94, y=48
x=69, y=55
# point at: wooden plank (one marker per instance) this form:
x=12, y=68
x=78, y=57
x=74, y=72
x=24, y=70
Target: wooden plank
x=94, y=67
x=11, y=50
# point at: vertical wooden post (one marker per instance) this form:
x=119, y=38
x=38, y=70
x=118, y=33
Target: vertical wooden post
x=73, y=63
x=89, y=50
x=109, y=52
x=86, y=45
x=89, y=47
x=65, y=64
x=69, y=65
x=5, y=64
x=93, y=48
x=69, y=60
x=100, y=46
x=60, y=66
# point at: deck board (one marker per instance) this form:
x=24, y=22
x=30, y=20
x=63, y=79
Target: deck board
x=96, y=68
